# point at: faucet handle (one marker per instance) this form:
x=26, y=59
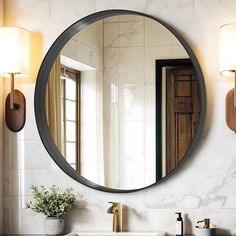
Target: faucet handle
x=113, y=203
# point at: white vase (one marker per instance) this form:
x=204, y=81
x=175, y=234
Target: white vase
x=54, y=225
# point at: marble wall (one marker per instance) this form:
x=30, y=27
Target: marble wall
x=203, y=187
x=132, y=44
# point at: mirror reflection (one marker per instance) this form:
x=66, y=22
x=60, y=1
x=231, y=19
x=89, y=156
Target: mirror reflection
x=122, y=102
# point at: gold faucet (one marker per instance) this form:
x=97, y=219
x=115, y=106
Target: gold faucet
x=116, y=210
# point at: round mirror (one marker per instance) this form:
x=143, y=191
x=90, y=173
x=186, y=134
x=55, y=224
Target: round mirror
x=120, y=101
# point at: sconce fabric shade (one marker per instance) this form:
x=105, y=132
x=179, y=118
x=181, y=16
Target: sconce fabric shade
x=14, y=51
x=228, y=49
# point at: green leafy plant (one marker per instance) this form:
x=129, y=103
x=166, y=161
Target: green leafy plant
x=51, y=202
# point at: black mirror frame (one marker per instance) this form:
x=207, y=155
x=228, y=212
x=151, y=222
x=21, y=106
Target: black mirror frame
x=41, y=82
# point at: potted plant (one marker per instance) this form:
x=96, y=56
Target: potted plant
x=54, y=204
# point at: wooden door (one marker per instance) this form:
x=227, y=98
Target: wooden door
x=182, y=113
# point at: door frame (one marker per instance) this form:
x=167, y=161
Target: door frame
x=160, y=64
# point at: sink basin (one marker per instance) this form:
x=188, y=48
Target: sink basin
x=101, y=233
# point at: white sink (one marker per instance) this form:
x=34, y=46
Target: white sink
x=101, y=233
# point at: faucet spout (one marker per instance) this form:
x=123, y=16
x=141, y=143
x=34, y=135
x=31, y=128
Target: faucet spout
x=116, y=210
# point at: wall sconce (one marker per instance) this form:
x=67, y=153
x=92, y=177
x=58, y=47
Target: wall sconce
x=14, y=62
x=228, y=69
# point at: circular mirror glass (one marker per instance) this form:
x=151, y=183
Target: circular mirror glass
x=123, y=101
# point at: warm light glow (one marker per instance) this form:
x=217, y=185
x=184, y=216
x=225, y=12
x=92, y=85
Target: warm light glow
x=14, y=51
x=227, y=49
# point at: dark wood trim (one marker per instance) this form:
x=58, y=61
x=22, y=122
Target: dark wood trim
x=64, y=114
x=15, y=118
x=41, y=83
x=77, y=75
x=230, y=110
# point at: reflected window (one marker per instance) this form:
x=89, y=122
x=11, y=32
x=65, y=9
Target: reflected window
x=71, y=116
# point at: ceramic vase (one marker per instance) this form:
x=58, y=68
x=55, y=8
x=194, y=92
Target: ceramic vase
x=54, y=225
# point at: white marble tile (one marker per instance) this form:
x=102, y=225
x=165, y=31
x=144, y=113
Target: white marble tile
x=54, y=166
x=130, y=18
x=191, y=181
x=83, y=53
x=73, y=10
x=214, y=7
x=227, y=180
x=132, y=148
x=111, y=57
x=74, y=50
x=168, y=9
x=111, y=19
x=7, y=169
x=133, y=56
x=22, y=180
x=16, y=202
x=131, y=75
x=110, y=77
x=111, y=35
x=20, y=219
x=171, y=201
x=178, y=51
x=30, y=130
x=156, y=34
x=159, y=52
x=151, y=55
x=229, y=202
x=92, y=214
x=110, y=91
x=150, y=104
x=216, y=114
x=136, y=5
x=189, y=201
x=174, y=40
x=165, y=219
x=131, y=102
x=134, y=213
x=131, y=34
x=150, y=152
x=211, y=155
x=22, y=156
x=91, y=35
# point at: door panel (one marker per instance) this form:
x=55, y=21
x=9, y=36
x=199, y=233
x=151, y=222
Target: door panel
x=182, y=113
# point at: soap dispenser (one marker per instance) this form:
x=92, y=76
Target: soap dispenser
x=179, y=224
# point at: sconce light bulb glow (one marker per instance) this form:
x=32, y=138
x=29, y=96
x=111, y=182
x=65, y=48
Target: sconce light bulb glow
x=14, y=51
x=228, y=49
